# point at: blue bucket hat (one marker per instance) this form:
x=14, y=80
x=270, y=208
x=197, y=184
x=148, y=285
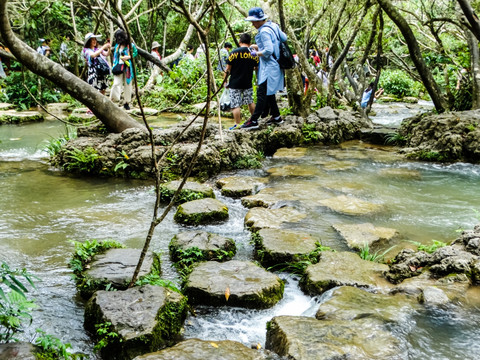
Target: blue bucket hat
x=256, y=14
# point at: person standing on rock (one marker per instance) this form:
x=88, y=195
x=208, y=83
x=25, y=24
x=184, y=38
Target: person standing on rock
x=270, y=76
x=240, y=65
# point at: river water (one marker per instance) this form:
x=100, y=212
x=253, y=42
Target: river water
x=42, y=210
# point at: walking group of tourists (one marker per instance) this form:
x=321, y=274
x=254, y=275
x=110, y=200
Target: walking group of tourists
x=262, y=57
x=122, y=68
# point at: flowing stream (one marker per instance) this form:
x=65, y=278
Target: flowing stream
x=42, y=210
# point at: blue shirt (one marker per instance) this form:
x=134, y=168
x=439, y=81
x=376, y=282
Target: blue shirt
x=268, y=41
x=365, y=98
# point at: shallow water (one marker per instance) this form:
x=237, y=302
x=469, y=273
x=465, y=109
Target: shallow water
x=42, y=210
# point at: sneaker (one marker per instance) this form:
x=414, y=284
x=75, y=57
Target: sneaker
x=275, y=121
x=233, y=127
x=126, y=106
x=250, y=125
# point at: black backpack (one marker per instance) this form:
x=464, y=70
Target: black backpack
x=286, y=60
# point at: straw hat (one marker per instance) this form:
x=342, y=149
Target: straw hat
x=90, y=36
x=155, y=45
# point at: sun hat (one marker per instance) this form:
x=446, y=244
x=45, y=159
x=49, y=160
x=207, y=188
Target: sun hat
x=90, y=36
x=256, y=14
x=155, y=45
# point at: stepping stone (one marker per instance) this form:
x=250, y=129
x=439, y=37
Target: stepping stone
x=268, y=197
x=339, y=165
x=20, y=117
x=201, y=211
x=233, y=283
x=195, y=349
x=357, y=235
x=301, y=338
x=273, y=246
x=58, y=107
x=212, y=246
x=350, y=303
x=259, y=218
x=116, y=267
x=350, y=205
x=18, y=350
x=191, y=190
x=239, y=186
x=6, y=106
x=290, y=153
x=342, y=269
x=147, y=111
x=144, y=318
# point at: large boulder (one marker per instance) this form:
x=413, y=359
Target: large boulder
x=300, y=338
x=233, y=283
x=144, y=319
x=115, y=268
x=195, y=349
x=340, y=269
x=273, y=246
x=211, y=246
x=191, y=190
x=201, y=211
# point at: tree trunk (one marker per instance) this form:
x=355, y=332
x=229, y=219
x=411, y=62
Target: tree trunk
x=114, y=118
x=475, y=68
x=416, y=55
x=472, y=18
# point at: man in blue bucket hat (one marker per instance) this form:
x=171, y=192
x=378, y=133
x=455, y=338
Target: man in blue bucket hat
x=270, y=76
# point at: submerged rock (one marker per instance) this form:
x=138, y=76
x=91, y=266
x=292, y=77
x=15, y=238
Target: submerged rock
x=340, y=269
x=359, y=235
x=290, y=153
x=350, y=205
x=201, y=211
x=294, y=170
x=211, y=246
x=18, y=350
x=195, y=349
x=233, y=283
x=401, y=173
x=274, y=247
x=432, y=295
x=259, y=218
x=352, y=303
x=301, y=338
x=191, y=190
x=239, y=186
x=115, y=267
x=145, y=319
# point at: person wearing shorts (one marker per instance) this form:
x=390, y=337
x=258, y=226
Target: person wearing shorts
x=240, y=67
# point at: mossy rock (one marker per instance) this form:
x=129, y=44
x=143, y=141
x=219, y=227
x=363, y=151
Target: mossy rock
x=20, y=117
x=201, y=211
x=237, y=186
x=233, y=283
x=115, y=269
x=143, y=319
x=195, y=246
x=191, y=190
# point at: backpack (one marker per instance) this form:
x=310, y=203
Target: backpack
x=286, y=60
x=101, y=67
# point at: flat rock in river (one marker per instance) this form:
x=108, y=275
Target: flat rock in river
x=357, y=235
x=201, y=211
x=238, y=186
x=259, y=218
x=233, y=283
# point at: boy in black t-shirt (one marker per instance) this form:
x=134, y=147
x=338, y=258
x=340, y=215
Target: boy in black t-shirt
x=240, y=67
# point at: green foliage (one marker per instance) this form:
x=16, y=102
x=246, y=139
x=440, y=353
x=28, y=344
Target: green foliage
x=155, y=279
x=186, y=258
x=429, y=156
x=52, y=348
x=83, y=161
x=365, y=254
x=397, y=82
x=395, y=138
x=15, y=308
x=106, y=334
x=434, y=246
x=310, y=134
x=249, y=161
x=122, y=161
x=54, y=145
x=16, y=93
x=84, y=253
